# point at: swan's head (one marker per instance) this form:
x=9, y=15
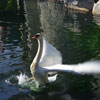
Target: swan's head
x=37, y=36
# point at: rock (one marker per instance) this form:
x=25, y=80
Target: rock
x=84, y=5
x=96, y=8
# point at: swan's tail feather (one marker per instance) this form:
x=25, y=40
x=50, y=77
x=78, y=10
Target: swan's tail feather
x=91, y=67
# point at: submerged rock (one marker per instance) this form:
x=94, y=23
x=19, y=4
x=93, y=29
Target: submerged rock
x=96, y=8
x=84, y=5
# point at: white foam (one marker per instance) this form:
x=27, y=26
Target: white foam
x=22, y=79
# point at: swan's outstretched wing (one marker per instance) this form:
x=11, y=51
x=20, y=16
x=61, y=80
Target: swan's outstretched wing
x=91, y=67
x=60, y=68
x=50, y=55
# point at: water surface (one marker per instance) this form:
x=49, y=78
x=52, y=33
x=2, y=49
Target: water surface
x=76, y=35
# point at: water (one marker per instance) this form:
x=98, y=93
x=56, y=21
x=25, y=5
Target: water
x=76, y=35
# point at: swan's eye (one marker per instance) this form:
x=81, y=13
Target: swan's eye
x=37, y=36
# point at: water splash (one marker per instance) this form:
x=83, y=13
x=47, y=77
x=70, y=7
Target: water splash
x=12, y=80
x=22, y=79
x=24, y=83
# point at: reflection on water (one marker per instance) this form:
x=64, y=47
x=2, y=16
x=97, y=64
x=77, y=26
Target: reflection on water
x=10, y=51
x=76, y=35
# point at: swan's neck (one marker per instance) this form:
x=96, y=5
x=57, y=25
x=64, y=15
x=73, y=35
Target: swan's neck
x=36, y=60
x=39, y=51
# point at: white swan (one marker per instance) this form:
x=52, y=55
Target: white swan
x=49, y=59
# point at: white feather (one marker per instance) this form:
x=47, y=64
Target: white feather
x=50, y=55
x=53, y=78
x=90, y=67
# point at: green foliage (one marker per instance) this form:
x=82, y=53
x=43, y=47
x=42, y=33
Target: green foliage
x=9, y=11
x=8, y=5
x=88, y=43
x=11, y=5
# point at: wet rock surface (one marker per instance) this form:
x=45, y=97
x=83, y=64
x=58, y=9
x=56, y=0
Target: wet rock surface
x=84, y=5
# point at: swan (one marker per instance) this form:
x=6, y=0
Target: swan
x=49, y=59
x=46, y=55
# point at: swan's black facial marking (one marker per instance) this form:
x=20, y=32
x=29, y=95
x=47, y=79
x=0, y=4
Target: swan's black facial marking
x=36, y=36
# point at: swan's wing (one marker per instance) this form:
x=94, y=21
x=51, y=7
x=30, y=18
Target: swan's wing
x=50, y=55
x=91, y=67
x=60, y=68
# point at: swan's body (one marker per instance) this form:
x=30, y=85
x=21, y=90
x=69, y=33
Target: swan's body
x=49, y=59
x=47, y=55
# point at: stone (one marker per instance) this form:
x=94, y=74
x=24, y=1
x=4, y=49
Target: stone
x=96, y=8
x=84, y=5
